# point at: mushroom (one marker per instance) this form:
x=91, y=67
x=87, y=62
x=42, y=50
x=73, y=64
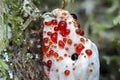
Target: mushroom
x=67, y=53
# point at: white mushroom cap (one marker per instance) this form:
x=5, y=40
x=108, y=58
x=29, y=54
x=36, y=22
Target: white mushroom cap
x=67, y=53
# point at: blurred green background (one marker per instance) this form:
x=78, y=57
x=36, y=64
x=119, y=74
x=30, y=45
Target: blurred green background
x=100, y=19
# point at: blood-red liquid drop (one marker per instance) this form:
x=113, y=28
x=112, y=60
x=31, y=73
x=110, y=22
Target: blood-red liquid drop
x=56, y=29
x=45, y=40
x=45, y=48
x=89, y=52
x=61, y=44
x=62, y=25
x=69, y=41
x=54, y=22
x=66, y=72
x=81, y=32
x=79, y=48
x=49, y=63
x=54, y=37
x=47, y=23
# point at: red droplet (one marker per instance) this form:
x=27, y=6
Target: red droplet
x=89, y=52
x=64, y=40
x=45, y=40
x=79, y=48
x=66, y=72
x=54, y=37
x=65, y=55
x=56, y=29
x=49, y=63
x=49, y=33
x=62, y=25
x=48, y=23
x=81, y=32
x=45, y=48
x=55, y=54
x=67, y=32
x=75, y=45
x=69, y=41
x=54, y=22
x=82, y=40
x=62, y=33
x=48, y=55
x=78, y=31
x=61, y=44
x=51, y=52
